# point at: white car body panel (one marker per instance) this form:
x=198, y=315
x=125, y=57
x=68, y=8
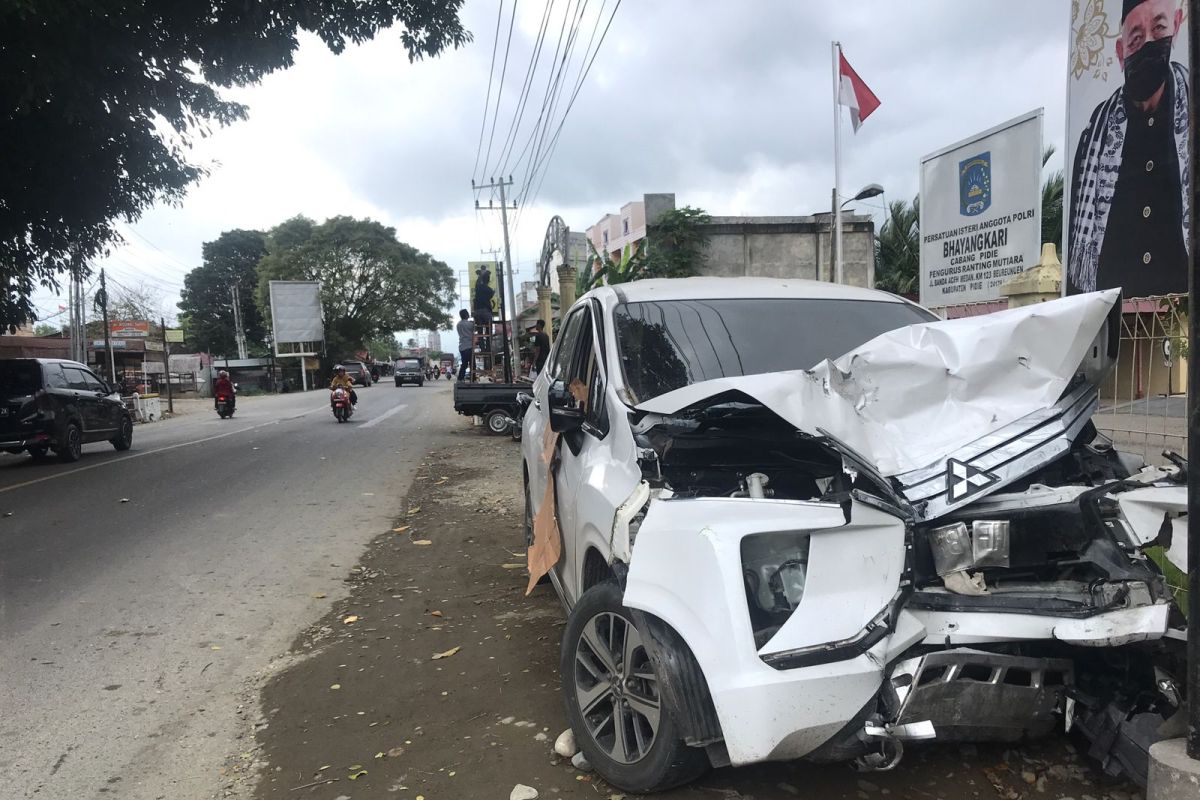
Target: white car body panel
x=1101, y=630
x=914, y=396
x=686, y=570
x=1144, y=509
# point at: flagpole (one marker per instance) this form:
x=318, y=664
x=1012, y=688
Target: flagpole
x=836, y=241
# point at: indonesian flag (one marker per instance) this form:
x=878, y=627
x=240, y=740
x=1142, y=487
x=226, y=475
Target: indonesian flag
x=854, y=94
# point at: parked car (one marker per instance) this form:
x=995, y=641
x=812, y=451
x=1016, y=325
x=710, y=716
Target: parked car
x=358, y=372
x=801, y=520
x=408, y=370
x=55, y=405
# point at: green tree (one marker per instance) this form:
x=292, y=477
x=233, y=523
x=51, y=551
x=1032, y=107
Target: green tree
x=46, y=329
x=897, y=248
x=101, y=99
x=1052, y=203
x=371, y=283
x=383, y=347
x=206, y=303
x=677, y=242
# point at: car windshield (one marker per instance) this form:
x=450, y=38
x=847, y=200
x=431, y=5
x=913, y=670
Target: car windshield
x=408, y=363
x=666, y=345
x=19, y=378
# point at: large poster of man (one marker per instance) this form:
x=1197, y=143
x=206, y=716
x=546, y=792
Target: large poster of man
x=1127, y=127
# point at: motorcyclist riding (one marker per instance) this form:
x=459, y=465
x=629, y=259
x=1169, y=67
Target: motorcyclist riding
x=343, y=381
x=224, y=388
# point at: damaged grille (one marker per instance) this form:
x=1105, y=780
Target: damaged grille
x=1000, y=458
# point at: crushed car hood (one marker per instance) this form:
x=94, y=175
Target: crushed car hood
x=949, y=409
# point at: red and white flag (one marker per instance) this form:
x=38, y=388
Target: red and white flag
x=853, y=93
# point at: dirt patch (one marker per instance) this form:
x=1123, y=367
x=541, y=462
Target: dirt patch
x=437, y=678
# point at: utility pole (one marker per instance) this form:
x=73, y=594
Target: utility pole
x=102, y=299
x=162, y=324
x=1192, y=744
x=239, y=335
x=503, y=184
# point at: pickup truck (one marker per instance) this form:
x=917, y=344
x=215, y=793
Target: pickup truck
x=497, y=403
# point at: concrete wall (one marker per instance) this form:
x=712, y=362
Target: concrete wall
x=788, y=247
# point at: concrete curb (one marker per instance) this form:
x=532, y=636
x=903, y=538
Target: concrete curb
x=1173, y=776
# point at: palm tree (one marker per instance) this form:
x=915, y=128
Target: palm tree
x=1052, y=203
x=897, y=248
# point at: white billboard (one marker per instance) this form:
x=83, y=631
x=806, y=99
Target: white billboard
x=981, y=213
x=1127, y=194
x=296, y=312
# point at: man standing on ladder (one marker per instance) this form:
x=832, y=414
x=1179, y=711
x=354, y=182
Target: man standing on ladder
x=466, y=342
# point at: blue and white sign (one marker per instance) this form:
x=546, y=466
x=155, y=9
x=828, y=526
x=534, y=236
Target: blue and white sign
x=981, y=215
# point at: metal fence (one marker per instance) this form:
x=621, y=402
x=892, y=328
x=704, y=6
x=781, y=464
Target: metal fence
x=1143, y=403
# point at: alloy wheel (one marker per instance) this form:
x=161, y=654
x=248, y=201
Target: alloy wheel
x=616, y=688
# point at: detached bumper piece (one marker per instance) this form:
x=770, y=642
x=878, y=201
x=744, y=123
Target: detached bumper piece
x=974, y=696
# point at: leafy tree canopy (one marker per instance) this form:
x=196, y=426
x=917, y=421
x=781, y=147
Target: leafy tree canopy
x=898, y=247
x=372, y=284
x=206, y=304
x=101, y=99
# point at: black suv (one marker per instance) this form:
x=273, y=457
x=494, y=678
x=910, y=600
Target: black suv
x=50, y=404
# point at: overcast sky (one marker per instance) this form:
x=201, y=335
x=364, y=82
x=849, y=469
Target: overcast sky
x=728, y=105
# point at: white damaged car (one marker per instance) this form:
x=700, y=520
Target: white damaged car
x=796, y=520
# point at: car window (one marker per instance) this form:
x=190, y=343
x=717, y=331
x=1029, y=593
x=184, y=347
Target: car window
x=19, y=378
x=75, y=378
x=666, y=345
x=55, y=379
x=565, y=346
x=94, y=384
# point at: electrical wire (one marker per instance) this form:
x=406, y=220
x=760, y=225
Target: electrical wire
x=500, y=90
x=487, y=98
x=522, y=101
x=522, y=201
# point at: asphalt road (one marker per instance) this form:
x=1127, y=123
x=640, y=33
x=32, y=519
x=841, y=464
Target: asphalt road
x=142, y=592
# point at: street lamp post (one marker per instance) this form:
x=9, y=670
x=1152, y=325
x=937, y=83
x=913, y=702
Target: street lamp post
x=835, y=256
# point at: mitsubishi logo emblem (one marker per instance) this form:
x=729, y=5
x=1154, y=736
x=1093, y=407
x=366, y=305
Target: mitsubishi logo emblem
x=963, y=480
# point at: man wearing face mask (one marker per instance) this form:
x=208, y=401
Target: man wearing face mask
x=1129, y=192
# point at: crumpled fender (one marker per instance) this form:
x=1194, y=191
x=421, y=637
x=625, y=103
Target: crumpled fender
x=686, y=569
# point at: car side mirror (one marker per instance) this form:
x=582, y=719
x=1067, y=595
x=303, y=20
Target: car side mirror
x=565, y=420
x=565, y=416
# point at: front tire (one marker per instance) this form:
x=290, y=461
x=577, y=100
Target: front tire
x=124, y=439
x=71, y=446
x=613, y=700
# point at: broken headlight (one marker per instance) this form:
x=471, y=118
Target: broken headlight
x=774, y=566
x=956, y=549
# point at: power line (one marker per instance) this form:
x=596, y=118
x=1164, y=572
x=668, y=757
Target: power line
x=522, y=101
x=537, y=125
x=556, y=89
x=500, y=90
x=487, y=98
x=579, y=85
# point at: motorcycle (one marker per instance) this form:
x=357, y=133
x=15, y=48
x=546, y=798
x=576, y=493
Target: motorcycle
x=225, y=403
x=339, y=402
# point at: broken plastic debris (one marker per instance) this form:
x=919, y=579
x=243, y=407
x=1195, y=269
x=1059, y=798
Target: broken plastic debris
x=401, y=529
x=335, y=687
x=124, y=500
x=422, y=541
x=447, y=653
x=319, y=595
x=356, y=775
x=350, y=619
x=414, y=510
